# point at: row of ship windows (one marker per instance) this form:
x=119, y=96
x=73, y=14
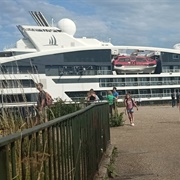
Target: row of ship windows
x=122, y=92
x=102, y=82
x=139, y=79
x=18, y=98
x=122, y=82
x=175, y=56
x=171, y=58
x=57, y=70
x=77, y=70
x=154, y=83
x=17, y=83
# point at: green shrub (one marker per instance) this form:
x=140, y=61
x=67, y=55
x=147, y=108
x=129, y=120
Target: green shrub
x=60, y=108
x=116, y=120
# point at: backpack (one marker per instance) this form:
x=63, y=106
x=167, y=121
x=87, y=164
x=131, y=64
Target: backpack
x=49, y=100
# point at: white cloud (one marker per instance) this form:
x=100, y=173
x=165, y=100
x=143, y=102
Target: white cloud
x=130, y=22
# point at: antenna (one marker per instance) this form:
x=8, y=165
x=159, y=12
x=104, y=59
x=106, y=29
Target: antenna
x=52, y=22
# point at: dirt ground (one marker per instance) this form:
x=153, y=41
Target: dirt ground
x=151, y=149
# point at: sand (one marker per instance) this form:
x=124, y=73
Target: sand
x=151, y=149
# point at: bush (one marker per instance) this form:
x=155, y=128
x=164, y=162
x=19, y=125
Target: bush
x=60, y=108
x=116, y=120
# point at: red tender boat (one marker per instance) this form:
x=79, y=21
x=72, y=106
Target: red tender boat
x=134, y=64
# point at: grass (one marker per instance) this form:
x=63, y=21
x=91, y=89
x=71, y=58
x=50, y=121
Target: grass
x=111, y=171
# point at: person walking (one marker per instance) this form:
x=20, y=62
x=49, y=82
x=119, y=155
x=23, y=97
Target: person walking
x=173, y=99
x=177, y=98
x=111, y=100
x=41, y=105
x=129, y=104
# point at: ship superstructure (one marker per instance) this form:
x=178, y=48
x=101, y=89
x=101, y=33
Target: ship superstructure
x=68, y=67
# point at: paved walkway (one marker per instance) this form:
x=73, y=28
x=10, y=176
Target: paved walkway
x=151, y=149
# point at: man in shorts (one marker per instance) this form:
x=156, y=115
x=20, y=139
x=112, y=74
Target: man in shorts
x=41, y=104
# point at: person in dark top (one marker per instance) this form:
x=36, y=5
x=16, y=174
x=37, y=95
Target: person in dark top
x=41, y=104
x=177, y=98
x=115, y=93
x=173, y=99
x=92, y=96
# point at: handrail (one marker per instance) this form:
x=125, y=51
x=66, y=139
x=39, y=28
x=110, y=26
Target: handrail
x=12, y=137
x=68, y=147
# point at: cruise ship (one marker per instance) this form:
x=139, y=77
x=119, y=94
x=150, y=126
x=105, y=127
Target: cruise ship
x=69, y=67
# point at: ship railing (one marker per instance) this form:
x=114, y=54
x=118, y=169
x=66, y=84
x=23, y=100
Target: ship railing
x=140, y=83
x=170, y=70
x=92, y=72
x=69, y=147
x=147, y=96
x=121, y=97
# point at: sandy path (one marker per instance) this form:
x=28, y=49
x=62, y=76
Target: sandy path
x=151, y=149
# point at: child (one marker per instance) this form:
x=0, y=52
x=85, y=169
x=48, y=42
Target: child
x=129, y=104
x=111, y=100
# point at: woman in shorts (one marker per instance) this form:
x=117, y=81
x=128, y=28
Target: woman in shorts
x=129, y=104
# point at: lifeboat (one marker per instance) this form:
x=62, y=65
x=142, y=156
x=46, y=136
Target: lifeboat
x=134, y=64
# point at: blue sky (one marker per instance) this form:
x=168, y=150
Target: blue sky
x=130, y=22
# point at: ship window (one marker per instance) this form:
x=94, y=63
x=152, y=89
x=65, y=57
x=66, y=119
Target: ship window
x=6, y=54
x=166, y=78
x=16, y=83
x=166, y=68
x=140, y=60
x=18, y=98
x=27, y=69
x=52, y=70
x=67, y=81
x=131, y=79
x=157, y=91
x=175, y=56
x=9, y=69
x=176, y=67
x=88, y=56
x=143, y=79
x=154, y=79
x=124, y=60
x=4, y=69
x=144, y=91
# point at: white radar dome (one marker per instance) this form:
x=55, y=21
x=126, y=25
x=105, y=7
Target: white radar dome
x=67, y=26
x=176, y=46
